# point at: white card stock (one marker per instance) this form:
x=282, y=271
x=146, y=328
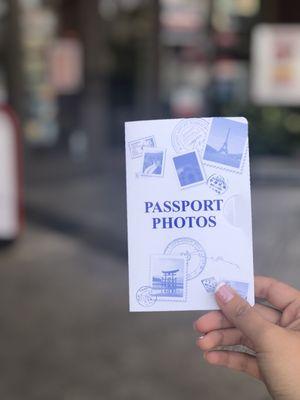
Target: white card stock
x=189, y=212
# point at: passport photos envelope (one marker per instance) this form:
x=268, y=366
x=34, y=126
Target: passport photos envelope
x=189, y=212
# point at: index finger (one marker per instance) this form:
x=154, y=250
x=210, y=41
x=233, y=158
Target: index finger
x=277, y=293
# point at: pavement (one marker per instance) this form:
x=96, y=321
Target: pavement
x=66, y=332
x=65, y=328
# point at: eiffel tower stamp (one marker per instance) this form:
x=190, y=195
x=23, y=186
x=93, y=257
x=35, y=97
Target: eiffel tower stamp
x=226, y=146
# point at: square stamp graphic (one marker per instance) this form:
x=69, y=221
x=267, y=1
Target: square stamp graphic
x=240, y=287
x=189, y=169
x=226, y=145
x=136, y=147
x=168, y=277
x=211, y=283
x=153, y=162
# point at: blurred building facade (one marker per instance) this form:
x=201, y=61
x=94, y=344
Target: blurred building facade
x=75, y=70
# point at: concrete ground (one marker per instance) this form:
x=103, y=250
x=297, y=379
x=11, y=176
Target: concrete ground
x=66, y=332
x=65, y=328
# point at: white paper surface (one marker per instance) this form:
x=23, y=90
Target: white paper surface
x=189, y=212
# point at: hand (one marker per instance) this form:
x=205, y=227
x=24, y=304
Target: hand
x=274, y=335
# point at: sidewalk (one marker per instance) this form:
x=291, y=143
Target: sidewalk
x=66, y=332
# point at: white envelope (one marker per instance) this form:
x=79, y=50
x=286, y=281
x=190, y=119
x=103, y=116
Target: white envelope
x=189, y=212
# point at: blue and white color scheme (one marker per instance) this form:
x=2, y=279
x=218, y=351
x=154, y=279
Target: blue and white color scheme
x=192, y=252
x=168, y=277
x=189, y=134
x=189, y=212
x=153, y=162
x=209, y=284
x=136, y=146
x=217, y=183
x=188, y=169
x=145, y=296
x=226, y=144
x=240, y=287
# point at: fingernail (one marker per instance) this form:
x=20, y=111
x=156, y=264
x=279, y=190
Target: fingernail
x=224, y=293
x=199, y=338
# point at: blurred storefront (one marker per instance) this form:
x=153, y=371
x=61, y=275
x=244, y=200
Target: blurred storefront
x=87, y=67
x=75, y=70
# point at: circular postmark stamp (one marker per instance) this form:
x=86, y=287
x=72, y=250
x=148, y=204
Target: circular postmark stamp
x=145, y=297
x=217, y=183
x=192, y=251
x=189, y=134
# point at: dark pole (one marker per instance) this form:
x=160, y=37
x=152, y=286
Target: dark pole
x=148, y=71
x=94, y=104
x=155, y=95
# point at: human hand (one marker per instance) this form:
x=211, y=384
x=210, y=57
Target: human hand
x=273, y=334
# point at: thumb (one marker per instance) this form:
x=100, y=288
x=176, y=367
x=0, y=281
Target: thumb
x=242, y=315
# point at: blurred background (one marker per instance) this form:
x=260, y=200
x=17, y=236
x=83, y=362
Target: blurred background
x=71, y=73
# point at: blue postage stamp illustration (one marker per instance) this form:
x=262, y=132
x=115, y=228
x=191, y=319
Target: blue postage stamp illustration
x=153, y=162
x=189, y=169
x=136, y=147
x=226, y=145
x=240, y=287
x=211, y=283
x=168, y=277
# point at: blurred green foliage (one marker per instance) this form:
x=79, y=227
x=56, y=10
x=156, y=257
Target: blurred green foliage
x=273, y=131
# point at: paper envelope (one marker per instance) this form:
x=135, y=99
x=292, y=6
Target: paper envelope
x=189, y=212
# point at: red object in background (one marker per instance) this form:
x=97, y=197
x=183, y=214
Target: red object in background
x=11, y=176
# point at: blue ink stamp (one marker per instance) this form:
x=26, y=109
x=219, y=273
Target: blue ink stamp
x=153, y=162
x=168, y=277
x=209, y=284
x=190, y=134
x=192, y=252
x=145, y=297
x=226, y=144
x=217, y=183
x=189, y=169
x=136, y=146
x=240, y=287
